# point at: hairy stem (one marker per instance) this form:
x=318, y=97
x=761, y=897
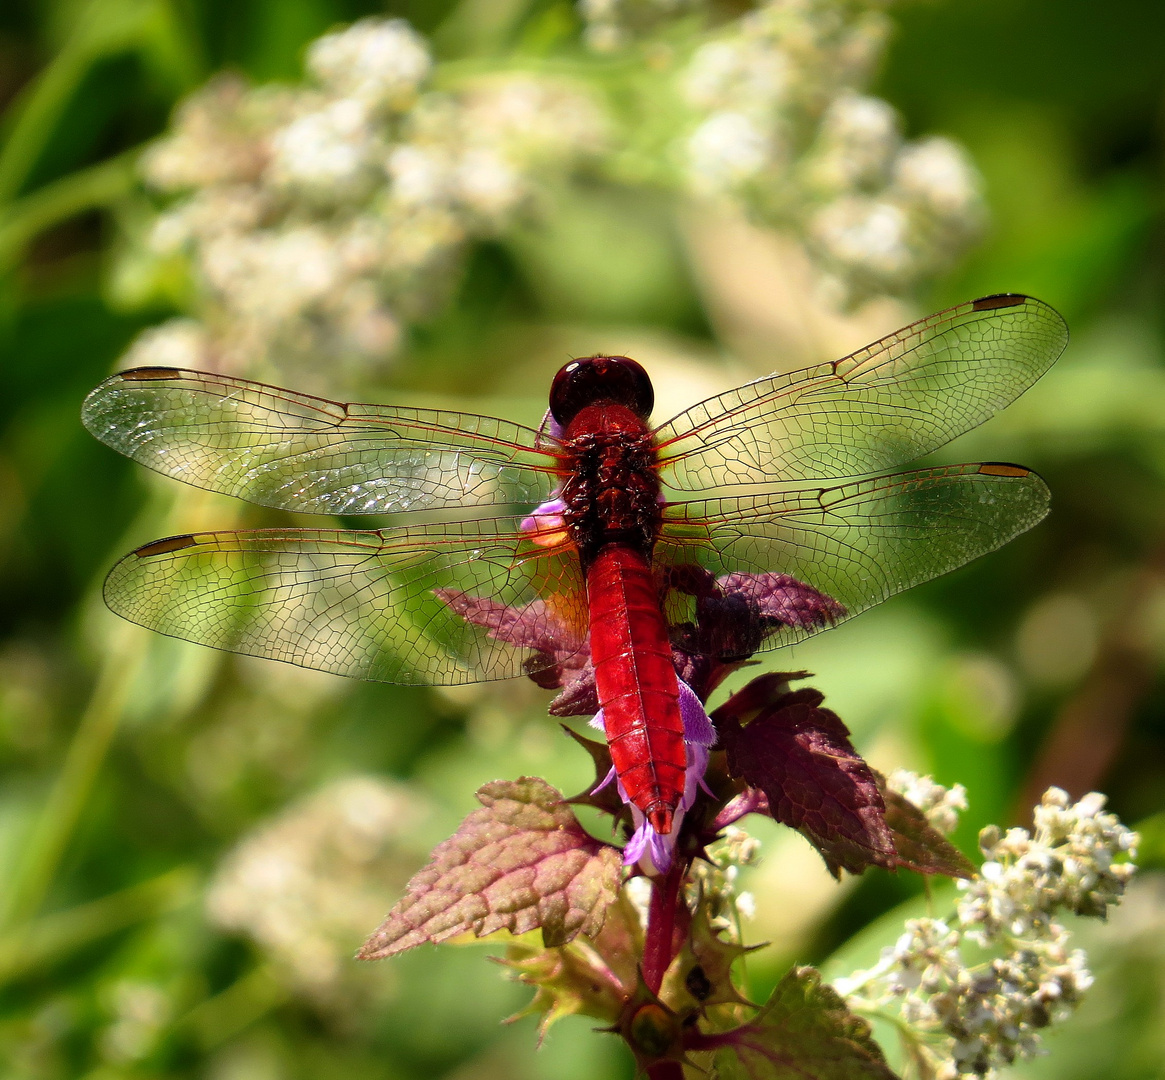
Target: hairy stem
x=661, y=922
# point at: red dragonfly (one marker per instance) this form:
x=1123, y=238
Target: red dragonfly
x=790, y=529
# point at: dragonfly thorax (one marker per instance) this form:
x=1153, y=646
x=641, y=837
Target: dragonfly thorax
x=611, y=489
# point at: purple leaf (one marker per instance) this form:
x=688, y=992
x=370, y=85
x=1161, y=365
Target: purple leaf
x=521, y=862
x=799, y=755
x=803, y=1032
x=734, y=613
x=783, y=599
x=561, y=658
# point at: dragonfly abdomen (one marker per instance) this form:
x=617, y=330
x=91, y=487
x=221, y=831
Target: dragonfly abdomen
x=636, y=682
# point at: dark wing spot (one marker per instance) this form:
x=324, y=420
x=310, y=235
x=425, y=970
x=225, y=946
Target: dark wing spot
x=989, y=303
x=163, y=547
x=150, y=374
x=999, y=468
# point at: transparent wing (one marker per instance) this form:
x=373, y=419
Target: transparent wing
x=358, y=603
x=296, y=452
x=887, y=404
x=858, y=543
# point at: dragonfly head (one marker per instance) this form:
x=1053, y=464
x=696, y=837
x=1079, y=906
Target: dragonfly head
x=594, y=379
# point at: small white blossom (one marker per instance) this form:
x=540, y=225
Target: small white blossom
x=938, y=174
x=725, y=73
x=378, y=62
x=865, y=237
x=178, y=343
x=487, y=184
x=714, y=882
x=726, y=149
x=327, y=153
x=270, y=275
x=857, y=143
x=940, y=805
x=418, y=176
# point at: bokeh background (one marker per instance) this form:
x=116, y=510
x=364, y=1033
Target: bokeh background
x=193, y=845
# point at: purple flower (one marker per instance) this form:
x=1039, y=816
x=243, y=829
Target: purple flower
x=546, y=524
x=654, y=853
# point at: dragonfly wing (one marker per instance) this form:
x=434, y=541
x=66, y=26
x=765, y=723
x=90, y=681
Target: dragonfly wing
x=358, y=603
x=296, y=452
x=887, y=404
x=858, y=543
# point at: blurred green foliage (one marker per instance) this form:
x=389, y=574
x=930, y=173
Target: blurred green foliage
x=131, y=766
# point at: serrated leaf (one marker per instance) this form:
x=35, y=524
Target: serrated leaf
x=700, y=976
x=803, y=1032
x=800, y=756
x=520, y=863
x=919, y=845
x=591, y=977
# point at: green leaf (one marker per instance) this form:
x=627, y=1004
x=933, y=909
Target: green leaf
x=587, y=977
x=803, y=1032
x=520, y=863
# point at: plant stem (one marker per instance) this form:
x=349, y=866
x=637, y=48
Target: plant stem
x=217, y=1019
x=96, y=186
x=37, y=113
x=34, y=946
x=661, y=921
x=73, y=784
x=101, y=28
x=665, y=1070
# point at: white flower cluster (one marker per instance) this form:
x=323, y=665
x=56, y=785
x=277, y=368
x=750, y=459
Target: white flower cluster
x=783, y=129
x=1068, y=863
x=317, y=220
x=305, y=227
x=307, y=885
x=970, y=1017
x=940, y=805
x=714, y=882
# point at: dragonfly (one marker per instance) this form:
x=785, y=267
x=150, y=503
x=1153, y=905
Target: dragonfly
x=749, y=521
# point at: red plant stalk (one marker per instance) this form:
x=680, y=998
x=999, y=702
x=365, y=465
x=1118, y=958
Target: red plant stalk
x=658, y=949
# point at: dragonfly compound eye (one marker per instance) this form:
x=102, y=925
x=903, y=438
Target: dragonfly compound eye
x=593, y=379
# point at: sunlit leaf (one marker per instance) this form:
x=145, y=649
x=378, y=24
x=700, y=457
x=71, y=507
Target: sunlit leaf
x=522, y=862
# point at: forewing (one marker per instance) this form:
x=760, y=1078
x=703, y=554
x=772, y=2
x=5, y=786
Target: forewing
x=357, y=603
x=887, y=404
x=858, y=543
x=295, y=452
